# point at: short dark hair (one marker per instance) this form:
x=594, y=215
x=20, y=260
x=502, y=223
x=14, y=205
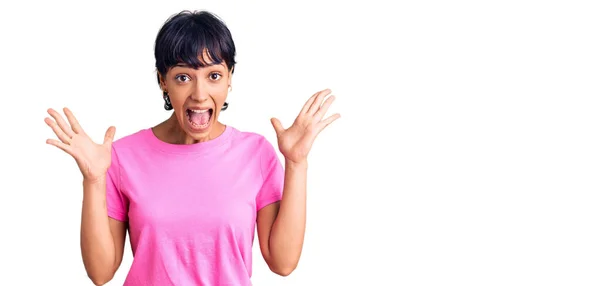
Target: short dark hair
x=185, y=36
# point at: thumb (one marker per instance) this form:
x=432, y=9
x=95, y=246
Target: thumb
x=277, y=125
x=110, y=135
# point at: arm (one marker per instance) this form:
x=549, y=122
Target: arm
x=102, y=238
x=281, y=225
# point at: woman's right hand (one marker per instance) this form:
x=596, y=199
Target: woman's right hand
x=93, y=159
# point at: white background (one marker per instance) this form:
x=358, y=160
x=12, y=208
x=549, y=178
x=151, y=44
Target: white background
x=467, y=152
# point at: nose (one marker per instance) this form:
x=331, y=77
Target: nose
x=200, y=92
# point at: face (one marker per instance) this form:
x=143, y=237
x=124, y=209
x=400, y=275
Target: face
x=197, y=96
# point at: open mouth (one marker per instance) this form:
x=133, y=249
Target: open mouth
x=199, y=118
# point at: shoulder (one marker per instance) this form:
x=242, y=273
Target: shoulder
x=252, y=139
x=259, y=146
x=132, y=140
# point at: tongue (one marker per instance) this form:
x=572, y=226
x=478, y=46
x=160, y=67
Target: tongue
x=199, y=118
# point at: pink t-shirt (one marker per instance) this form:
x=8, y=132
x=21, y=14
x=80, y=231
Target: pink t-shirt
x=192, y=208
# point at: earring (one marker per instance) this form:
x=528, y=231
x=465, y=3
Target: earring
x=167, y=105
x=230, y=88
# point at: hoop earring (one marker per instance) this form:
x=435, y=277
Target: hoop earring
x=167, y=105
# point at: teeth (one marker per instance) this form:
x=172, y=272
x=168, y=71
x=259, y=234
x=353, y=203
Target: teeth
x=198, y=111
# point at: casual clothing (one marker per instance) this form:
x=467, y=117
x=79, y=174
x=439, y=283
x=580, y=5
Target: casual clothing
x=192, y=208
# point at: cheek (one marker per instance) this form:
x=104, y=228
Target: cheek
x=219, y=93
x=178, y=96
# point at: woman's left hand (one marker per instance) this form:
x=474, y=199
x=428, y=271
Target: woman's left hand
x=296, y=141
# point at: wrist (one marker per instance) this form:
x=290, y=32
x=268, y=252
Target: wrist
x=94, y=181
x=94, y=190
x=300, y=165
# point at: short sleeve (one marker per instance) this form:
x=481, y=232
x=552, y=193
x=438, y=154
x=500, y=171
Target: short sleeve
x=272, y=177
x=116, y=203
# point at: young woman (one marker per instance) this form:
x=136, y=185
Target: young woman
x=191, y=190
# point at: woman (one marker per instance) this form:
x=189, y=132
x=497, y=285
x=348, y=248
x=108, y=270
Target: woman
x=191, y=190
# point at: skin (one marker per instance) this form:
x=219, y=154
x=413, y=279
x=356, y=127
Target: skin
x=280, y=226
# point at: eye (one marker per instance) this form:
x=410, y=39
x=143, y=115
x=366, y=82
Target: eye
x=215, y=76
x=182, y=78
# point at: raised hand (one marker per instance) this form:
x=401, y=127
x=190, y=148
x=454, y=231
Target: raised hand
x=93, y=159
x=296, y=141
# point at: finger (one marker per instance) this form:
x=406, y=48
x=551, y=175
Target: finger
x=328, y=121
x=61, y=122
x=73, y=121
x=110, y=135
x=309, y=103
x=318, y=101
x=277, y=125
x=57, y=130
x=61, y=146
x=323, y=109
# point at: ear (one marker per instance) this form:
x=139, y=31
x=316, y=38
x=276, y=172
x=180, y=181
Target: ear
x=230, y=76
x=161, y=81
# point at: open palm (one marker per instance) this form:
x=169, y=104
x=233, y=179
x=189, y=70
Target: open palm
x=93, y=159
x=296, y=141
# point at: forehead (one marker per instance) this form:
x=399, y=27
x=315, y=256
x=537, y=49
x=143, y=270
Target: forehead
x=207, y=65
x=206, y=60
